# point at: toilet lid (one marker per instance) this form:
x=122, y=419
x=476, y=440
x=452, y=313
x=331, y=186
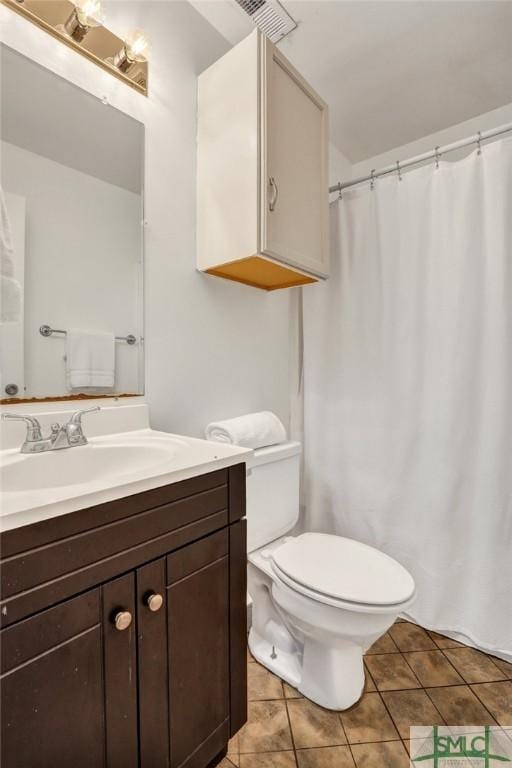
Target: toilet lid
x=344, y=569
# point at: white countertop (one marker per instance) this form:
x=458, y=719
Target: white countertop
x=37, y=487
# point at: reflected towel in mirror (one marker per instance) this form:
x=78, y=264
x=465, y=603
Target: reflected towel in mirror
x=90, y=360
x=10, y=288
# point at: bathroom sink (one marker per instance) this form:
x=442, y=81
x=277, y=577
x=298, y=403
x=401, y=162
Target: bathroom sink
x=39, y=486
x=89, y=463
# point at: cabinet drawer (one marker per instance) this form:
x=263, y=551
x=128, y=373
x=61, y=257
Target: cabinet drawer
x=49, y=562
x=54, y=529
x=37, y=579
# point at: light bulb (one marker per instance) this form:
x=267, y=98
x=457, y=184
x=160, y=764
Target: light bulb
x=137, y=45
x=86, y=14
x=136, y=48
x=90, y=12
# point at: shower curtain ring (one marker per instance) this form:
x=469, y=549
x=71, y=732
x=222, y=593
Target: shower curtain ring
x=372, y=183
x=479, y=143
x=398, y=170
x=437, y=158
x=340, y=196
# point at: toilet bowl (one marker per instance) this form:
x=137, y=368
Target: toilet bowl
x=319, y=600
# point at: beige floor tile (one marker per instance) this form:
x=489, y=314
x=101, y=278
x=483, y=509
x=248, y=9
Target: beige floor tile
x=387, y=754
x=369, y=685
x=234, y=749
x=313, y=726
x=268, y=760
x=442, y=641
x=227, y=762
x=410, y=708
x=410, y=637
x=325, y=757
x=250, y=657
x=384, y=644
x=432, y=668
x=262, y=684
x=474, y=666
x=267, y=728
x=416, y=742
x=368, y=720
x=391, y=672
x=458, y=705
x=505, y=666
x=497, y=697
x=290, y=692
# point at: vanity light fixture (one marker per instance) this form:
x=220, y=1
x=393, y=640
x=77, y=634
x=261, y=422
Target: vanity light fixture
x=136, y=48
x=85, y=14
x=79, y=25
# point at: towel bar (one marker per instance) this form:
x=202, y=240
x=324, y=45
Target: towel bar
x=46, y=331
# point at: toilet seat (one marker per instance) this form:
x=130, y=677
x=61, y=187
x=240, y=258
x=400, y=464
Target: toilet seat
x=342, y=572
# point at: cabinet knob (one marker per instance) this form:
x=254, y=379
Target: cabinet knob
x=122, y=620
x=154, y=602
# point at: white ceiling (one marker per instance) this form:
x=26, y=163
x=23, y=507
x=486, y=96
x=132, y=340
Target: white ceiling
x=47, y=115
x=392, y=72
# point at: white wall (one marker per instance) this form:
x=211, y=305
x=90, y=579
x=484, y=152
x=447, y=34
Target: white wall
x=82, y=265
x=453, y=133
x=213, y=349
x=340, y=166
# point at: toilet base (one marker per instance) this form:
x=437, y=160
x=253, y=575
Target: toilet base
x=331, y=677
x=285, y=665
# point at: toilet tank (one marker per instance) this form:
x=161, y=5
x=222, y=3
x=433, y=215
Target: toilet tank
x=272, y=493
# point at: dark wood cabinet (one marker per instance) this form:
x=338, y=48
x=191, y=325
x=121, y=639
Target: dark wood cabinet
x=53, y=696
x=143, y=669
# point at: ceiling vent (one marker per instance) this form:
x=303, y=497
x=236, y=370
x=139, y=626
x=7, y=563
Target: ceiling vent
x=270, y=17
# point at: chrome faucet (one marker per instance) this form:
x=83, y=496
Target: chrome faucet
x=68, y=435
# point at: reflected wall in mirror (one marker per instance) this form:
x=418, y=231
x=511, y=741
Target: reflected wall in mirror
x=71, y=239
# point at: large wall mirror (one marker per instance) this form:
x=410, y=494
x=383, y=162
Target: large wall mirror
x=71, y=239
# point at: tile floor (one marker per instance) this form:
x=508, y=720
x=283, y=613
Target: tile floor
x=413, y=677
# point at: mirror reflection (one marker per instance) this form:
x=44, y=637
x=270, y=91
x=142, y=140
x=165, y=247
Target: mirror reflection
x=71, y=242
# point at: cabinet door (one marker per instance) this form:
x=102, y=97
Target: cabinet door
x=295, y=207
x=68, y=684
x=198, y=637
x=153, y=667
x=52, y=688
x=120, y=660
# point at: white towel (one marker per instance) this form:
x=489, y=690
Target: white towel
x=255, y=430
x=10, y=300
x=90, y=360
x=10, y=288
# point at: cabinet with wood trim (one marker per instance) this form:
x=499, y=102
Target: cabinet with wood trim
x=123, y=640
x=262, y=183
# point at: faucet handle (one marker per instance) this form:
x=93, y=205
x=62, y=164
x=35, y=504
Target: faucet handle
x=33, y=426
x=76, y=418
x=73, y=428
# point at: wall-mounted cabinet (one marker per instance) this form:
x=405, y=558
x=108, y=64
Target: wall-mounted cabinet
x=262, y=186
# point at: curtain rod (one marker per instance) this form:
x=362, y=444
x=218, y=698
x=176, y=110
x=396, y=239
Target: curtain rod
x=434, y=154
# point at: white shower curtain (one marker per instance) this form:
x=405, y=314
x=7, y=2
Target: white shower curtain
x=408, y=387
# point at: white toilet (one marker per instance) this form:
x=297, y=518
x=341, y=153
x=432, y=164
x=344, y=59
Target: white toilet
x=319, y=601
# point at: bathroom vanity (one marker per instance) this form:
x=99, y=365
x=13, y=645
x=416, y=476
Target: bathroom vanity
x=123, y=640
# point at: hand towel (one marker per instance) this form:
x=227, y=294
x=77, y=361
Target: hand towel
x=255, y=430
x=10, y=288
x=10, y=300
x=90, y=360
